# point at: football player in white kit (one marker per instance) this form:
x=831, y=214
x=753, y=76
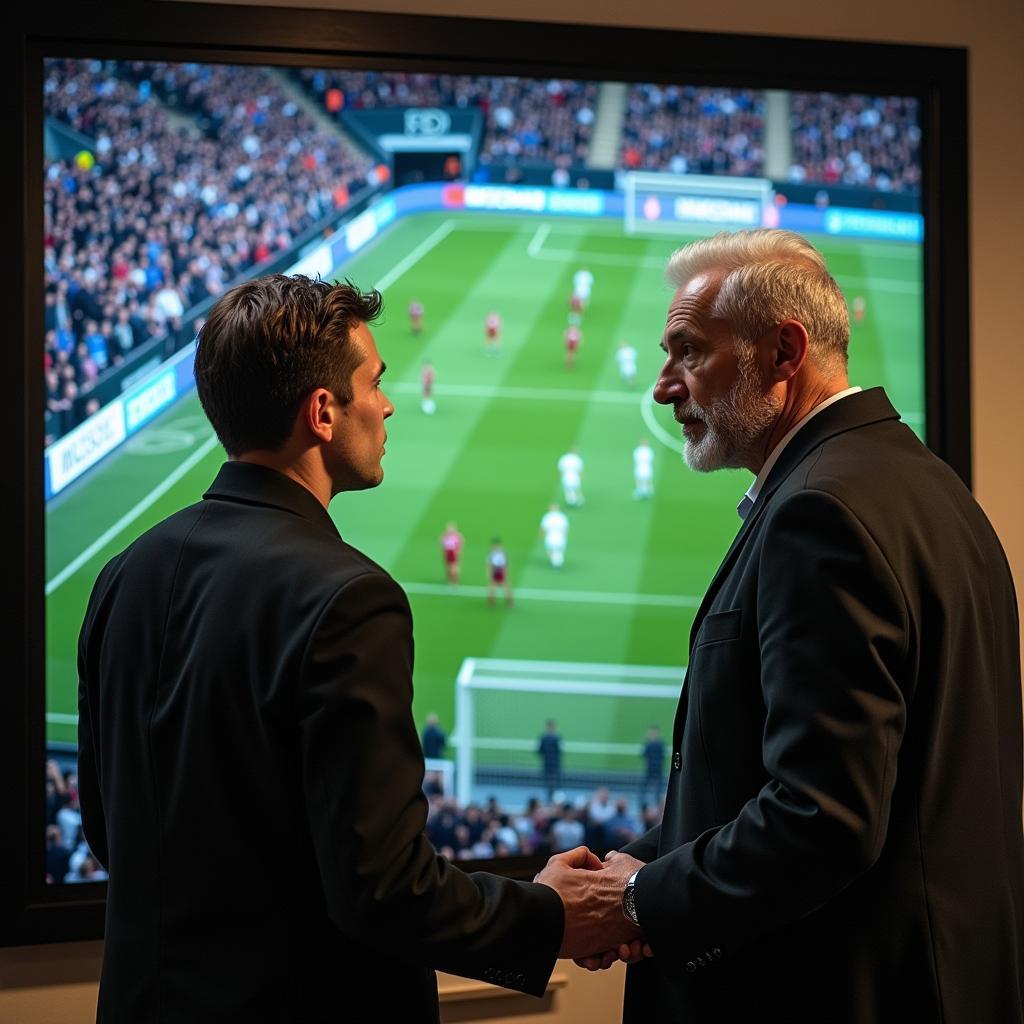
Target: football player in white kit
x=570, y=468
x=582, y=284
x=555, y=527
x=625, y=356
x=643, y=469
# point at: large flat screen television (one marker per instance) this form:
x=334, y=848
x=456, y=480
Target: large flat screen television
x=514, y=191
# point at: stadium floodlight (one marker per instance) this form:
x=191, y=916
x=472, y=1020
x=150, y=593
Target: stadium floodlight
x=602, y=711
x=676, y=204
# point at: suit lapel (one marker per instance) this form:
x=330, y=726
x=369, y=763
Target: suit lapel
x=849, y=413
x=723, y=569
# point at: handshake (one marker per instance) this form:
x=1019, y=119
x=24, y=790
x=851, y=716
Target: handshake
x=597, y=931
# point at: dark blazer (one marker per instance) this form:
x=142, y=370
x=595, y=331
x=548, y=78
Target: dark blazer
x=842, y=831
x=250, y=775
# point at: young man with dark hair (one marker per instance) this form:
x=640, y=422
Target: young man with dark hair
x=245, y=671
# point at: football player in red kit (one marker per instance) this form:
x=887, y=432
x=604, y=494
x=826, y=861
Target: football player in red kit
x=573, y=340
x=416, y=316
x=492, y=334
x=427, y=403
x=451, y=551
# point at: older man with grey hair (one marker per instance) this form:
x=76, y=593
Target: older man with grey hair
x=842, y=831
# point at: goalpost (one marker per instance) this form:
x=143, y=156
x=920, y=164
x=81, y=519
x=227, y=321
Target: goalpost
x=602, y=712
x=659, y=203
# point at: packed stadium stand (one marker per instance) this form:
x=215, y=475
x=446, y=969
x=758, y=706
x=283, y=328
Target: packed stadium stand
x=526, y=119
x=172, y=180
x=473, y=832
x=161, y=210
x=868, y=141
x=601, y=821
x=68, y=857
x=693, y=130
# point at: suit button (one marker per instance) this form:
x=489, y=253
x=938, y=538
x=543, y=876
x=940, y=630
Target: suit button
x=701, y=962
x=690, y=967
x=677, y=761
x=520, y=979
x=716, y=953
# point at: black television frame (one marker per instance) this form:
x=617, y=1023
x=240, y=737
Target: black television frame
x=30, y=911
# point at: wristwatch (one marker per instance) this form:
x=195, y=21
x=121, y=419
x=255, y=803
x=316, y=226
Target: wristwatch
x=629, y=898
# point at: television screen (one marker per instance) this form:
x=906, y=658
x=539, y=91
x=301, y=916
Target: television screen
x=535, y=507
x=514, y=189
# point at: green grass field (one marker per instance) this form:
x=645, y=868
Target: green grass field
x=634, y=570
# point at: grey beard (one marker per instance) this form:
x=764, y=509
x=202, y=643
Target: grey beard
x=733, y=425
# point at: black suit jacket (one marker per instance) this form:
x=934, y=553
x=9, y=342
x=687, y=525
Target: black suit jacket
x=250, y=774
x=842, y=831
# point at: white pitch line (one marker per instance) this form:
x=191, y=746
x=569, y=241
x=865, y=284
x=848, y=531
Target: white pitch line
x=533, y=394
x=605, y=259
x=677, y=444
x=881, y=284
x=577, y=256
x=415, y=256
x=131, y=515
x=894, y=250
x=538, y=239
x=564, y=596
x=509, y=223
x=59, y=718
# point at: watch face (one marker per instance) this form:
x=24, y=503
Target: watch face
x=629, y=901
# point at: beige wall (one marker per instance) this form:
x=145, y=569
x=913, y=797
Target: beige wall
x=53, y=984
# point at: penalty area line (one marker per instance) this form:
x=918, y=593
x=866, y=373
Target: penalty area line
x=131, y=515
x=562, y=596
x=421, y=250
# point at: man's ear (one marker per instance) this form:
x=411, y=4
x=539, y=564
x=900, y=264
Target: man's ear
x=790, y=350
x=318, y=414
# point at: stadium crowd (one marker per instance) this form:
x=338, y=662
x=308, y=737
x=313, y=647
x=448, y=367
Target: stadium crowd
x=68, y=857
x=526, y=119
x=193, y=174
x=692, y=130
x=477, y=832
x=160, y=211
x=866, y=141
x=459, y=833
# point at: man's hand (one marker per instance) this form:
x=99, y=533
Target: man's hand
x=591, y=893
x=629, y=953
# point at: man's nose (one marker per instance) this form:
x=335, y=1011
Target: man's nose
x=669, y=387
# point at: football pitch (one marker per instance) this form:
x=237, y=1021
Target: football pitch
x=486, y=459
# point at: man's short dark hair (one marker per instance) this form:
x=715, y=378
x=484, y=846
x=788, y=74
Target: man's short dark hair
x=267, y=344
